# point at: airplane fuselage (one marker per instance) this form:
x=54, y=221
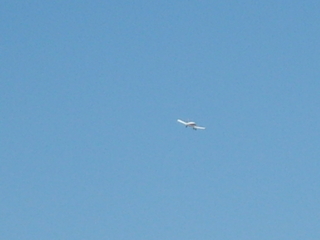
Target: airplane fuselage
x=191, y=124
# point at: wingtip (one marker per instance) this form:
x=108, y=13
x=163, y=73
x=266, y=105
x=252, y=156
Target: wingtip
x=180, y=121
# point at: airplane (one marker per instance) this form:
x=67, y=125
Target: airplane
x=191, y=124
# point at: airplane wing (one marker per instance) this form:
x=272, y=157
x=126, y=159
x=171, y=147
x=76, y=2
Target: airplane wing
x=180, y=121
x=197, y=127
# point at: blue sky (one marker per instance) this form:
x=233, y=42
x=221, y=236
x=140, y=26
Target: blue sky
x=90, y=95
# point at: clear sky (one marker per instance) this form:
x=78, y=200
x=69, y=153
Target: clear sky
x=90, y=93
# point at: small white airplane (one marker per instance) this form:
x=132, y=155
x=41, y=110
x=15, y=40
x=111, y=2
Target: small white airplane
x=191, y=124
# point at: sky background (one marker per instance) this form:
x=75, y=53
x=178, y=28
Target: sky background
x=90, y=93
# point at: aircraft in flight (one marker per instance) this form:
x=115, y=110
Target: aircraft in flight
x=191, y=124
